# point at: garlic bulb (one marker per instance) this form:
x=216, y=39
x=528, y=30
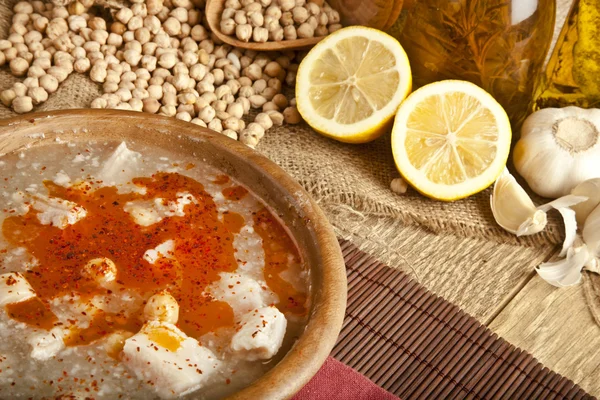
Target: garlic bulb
x=513, y=209
x=559, y=149
x=591, y=190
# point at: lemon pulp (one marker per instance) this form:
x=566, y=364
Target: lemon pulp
x=346, y=81
x=350, y=85
x=451, y=139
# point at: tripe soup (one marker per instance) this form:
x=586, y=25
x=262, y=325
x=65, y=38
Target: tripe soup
x=139, y=274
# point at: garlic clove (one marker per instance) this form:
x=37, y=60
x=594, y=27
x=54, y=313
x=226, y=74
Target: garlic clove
x=570, y=229
x=533, y=225
x=591, y=189
x=569, y=201
x=591, y=232
x=563, y=206
x=565, y=272
x=513, y=209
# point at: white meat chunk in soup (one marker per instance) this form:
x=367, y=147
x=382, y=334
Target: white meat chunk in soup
x=260, y=334
x=172, y=363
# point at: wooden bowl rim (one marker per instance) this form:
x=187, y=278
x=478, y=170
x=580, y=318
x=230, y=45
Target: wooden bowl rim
x=214, y=8
x=329, y=300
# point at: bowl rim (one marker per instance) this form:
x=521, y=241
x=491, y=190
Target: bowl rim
x=313, y=347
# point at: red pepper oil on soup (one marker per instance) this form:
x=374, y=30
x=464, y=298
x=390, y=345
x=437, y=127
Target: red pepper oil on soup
x=139, y=275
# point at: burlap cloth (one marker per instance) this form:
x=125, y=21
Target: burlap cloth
x=350, y=182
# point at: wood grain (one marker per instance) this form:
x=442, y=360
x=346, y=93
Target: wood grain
x=214, y=9
x=474, y=273
x=306, y=222
x=557, y=327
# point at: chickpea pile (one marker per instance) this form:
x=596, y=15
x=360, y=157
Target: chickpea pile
x=156, y=56
x=276, y=20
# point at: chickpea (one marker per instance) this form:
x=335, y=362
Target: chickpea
x=300, y=15
x=334, y=27
x=35, y=71
x=291, y=115
x=38, y=95
x=289, y=33
x=198, y=33
x=260, y=35
x=151, y=105
x=124, y=15
x=236, y=110
x=321, y=30
x=287, y=5
x=22, y=104
x=264, y=120
x=185, y=116
x=198, y=121
x=162, y=307
x=98, y=73
x=118, y=28
x=255, y=18
x=99, y=103
x=305, y=31
x=19, y=66
x=153, y=7
x=20, y=89
x=23, y=7
x=180, y=14
x=216, y=125
x=227, y=26
x=207, y=114
x=229, y=133
x=56, y=27
x=76, y=8
x=7, y=96
x=243, y=32
x=172, y=26
x=276, y=117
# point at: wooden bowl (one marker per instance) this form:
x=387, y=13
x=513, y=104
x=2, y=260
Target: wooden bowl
x=214, y=9
x=301, y=214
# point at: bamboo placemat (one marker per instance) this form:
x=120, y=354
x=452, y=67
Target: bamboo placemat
x=419, y=346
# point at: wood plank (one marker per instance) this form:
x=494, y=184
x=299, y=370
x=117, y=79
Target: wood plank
x=556, y=326
x=477, y=274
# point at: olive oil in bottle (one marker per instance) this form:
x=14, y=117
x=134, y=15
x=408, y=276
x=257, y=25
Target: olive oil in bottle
x=499, y=45
x=573, y=72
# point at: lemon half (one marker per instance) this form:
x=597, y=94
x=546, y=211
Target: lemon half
x=451, y=139
x=350, y=84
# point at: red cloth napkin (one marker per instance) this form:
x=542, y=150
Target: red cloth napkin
x=338, y=381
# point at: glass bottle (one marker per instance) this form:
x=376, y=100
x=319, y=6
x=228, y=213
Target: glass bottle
x=499, y=45
x=573, y=72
